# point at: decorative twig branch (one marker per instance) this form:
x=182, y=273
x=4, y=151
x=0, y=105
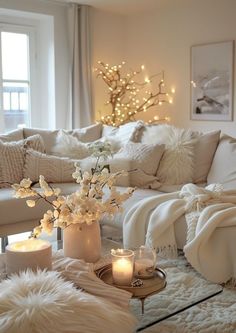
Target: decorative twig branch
x=124, y=94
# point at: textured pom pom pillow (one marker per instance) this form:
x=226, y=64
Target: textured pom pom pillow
x=176, y=165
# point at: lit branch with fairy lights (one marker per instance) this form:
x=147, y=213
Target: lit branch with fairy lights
x=129, y=97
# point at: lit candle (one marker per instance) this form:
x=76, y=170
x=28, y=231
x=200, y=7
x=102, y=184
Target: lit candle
x=122, y=266
x=31, y=253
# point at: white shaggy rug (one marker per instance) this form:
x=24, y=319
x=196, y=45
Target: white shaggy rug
x=215, y=315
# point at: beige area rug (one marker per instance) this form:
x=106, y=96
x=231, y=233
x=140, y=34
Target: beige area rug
x=215, y=315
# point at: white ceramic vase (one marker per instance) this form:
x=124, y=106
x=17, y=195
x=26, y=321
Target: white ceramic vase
x=82, y=241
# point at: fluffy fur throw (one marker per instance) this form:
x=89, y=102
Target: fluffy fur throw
x=44, y=302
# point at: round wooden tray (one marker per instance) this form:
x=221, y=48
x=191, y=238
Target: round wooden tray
x=149, y=287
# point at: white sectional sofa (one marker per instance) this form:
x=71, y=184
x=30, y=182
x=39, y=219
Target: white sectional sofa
x=184, y=156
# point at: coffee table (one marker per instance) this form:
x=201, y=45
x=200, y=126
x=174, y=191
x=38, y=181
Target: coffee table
x=193, y=289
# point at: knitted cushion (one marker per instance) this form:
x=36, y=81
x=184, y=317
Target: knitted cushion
x=13, y=158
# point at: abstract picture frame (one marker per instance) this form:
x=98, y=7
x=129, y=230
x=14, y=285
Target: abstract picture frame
x=212, y=81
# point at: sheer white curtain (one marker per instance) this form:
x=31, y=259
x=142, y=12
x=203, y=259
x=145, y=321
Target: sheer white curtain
x=81, y=112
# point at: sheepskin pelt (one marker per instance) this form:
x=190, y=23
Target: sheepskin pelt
x=43, y=302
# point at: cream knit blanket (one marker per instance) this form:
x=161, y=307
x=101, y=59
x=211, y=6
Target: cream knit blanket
x=151, y=222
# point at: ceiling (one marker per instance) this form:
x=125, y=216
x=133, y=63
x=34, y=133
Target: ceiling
x=123, y=7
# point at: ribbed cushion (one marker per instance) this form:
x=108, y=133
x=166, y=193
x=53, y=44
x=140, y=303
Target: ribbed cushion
x=54, y=169
x=13, y=158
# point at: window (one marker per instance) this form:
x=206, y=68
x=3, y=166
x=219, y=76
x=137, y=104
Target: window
x=27, y=70
x=16, y=59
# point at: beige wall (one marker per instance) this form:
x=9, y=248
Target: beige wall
x=162, y=40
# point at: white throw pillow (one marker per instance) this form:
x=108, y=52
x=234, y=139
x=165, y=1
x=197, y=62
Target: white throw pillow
x=49, y=136
x=129, y=132
x=142, y=158
x=54, y=169
x=204, y=150
x=69, y=146
x=223, y=168
x=176, y=165
x=88, y=134
x=13, y=158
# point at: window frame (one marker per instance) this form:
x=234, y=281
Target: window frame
x=30, y=31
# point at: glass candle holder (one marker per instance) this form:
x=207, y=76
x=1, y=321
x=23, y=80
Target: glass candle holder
x=144, y=264
x=122, y=266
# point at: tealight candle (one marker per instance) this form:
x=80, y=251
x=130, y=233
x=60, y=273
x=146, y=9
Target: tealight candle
x=122, y=266
x=31, y=253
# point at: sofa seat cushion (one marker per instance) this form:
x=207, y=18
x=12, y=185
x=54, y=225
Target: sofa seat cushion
x=15, y=210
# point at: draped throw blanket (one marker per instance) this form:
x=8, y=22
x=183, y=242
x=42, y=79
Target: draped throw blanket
x=151, y=222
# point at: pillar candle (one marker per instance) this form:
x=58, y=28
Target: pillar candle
x=30, y=253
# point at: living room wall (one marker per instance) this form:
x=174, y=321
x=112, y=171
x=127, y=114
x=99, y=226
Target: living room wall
x=162, y=40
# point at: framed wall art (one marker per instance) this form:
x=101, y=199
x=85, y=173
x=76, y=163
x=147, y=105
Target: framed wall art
x=212, y=81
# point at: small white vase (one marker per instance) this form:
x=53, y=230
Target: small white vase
x=82, y=241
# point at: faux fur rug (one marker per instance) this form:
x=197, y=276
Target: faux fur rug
x=216, y=315
x=44, y=303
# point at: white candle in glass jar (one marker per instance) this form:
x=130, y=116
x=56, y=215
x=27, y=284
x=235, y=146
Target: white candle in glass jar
x=31, y=253
x=122, y=267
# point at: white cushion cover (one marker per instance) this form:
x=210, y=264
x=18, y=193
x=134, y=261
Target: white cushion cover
x=49, y=136
x=223, y=168
x=13, y=158
x=88, y=134
x=176, y=165
x=54, y=169
x=129, y=132
x=142, y=158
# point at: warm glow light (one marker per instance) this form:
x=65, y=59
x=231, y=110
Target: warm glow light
x=142, y=67
x=28, y=245
x=173, y=90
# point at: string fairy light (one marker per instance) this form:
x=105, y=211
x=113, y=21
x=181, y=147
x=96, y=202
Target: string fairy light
x=129, y=97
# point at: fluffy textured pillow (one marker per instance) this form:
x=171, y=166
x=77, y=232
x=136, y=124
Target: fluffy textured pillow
x=223, y=168
x=13, y=158
x=69, y=146
x=134, y=156
x=14, y=135
x=45, y=302
x=129, y=132
x=204, y=150
x=176, y=165
x=54, y=169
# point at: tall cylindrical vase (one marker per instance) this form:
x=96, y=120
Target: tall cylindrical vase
x=82, y=241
